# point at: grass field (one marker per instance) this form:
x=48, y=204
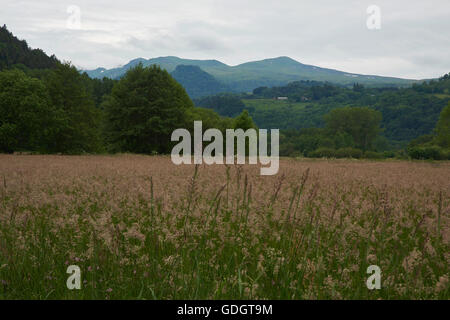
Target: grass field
x=140, y=227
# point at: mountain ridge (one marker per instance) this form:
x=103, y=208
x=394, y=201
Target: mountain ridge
x=247, y=76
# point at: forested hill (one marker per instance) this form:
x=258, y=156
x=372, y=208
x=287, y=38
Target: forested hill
x=197, y=82
x=15, y=52
x=407, y=113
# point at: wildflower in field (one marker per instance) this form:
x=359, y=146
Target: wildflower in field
x=413, y=260
x=169, y=260
x=307, y=236
x=371, y=258
x=442, y=284
x=429, y=249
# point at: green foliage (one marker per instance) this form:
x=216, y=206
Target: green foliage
x=407, y=113
x=227, y=105
x=8, y=137
x=443, y=128
x=244, y=122
x=304, y=141
x=322, y=153
x=433, y=146
x=78, y=125
x=98, y=88
x=389, y=154
x=15, y=52
x=348, y=153
x=209, y=118
x=342, y=139
x=432, y=152
x=362, y=124
x=55, y=114
x=144, y=108
x=271, y=113
x=348, y=131
x=299, y=91
x=374, y=155
x=425, y=139
x=26, y=114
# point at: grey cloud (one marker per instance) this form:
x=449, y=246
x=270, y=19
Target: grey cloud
x=413, y=41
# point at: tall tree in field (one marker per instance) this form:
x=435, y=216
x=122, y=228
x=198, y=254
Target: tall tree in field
x=443, y=128
x=362, y=123
x=144, y=108
x=79, y=120
x=26, y=113
x=244, y=121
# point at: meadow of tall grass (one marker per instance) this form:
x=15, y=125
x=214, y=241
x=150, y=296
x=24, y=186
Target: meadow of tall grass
x=140, y=227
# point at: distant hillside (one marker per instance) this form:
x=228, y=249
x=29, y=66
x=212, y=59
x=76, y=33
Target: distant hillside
x=248, y=76
x=407, y=112
x=15, y=52
x=197, y=82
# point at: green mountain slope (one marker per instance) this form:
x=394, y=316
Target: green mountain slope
x=197, y=82
x=247, y=76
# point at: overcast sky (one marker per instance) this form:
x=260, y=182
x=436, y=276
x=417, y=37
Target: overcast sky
x=413, y=41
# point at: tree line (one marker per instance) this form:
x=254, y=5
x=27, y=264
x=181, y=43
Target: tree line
x=63, y=111
x=407, y=113
x=435, y=145
x=306, y=118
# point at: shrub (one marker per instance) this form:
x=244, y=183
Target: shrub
x=322, y=153
x=373, y=155
x=296, y=154
x=349, y=153
x=447, y=154
x=389, y=154
x=427, y=152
